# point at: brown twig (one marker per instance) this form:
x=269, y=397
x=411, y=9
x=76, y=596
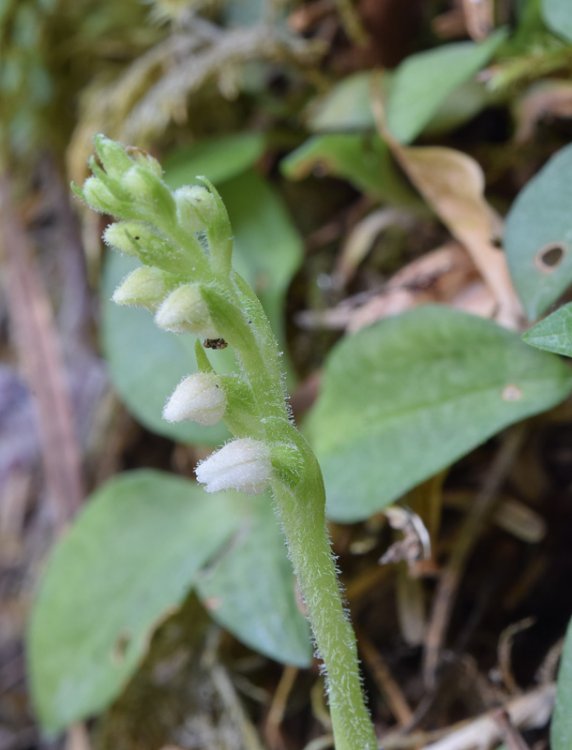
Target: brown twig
x=385, y=682
x=39, y=351
x=472, y=527
x=278, y=707
x=511, y=736
x=504, y=651
x=527, y=711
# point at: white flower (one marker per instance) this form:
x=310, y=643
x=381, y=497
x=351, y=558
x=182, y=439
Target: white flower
x=199, y=397
x=185, y=310
x=243, y=465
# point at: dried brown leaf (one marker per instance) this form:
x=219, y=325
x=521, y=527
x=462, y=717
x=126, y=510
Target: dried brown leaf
x=551, y=99
x=452, y=183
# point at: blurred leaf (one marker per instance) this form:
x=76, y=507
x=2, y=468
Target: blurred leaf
x=554, y=333
x=250, y=589
x=129, y=559
x=558, y=17
x=268, y=246
x=538, y=236
x=462, y=104
x=244, y=13
x=422, y=82
x=561, y=727
x=347, y=106
x=268, y=251
x=364, y=160
x=219, y=159
x=408, y=396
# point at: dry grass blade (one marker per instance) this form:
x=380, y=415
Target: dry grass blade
x=481, y=510
x=527, y=711
x=546, y=100
x=479, y=18
x=39, y=350
x=166, y=99
x=385, y=682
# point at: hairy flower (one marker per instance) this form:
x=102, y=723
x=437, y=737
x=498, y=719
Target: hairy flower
x=144, y=287
x=199, y=397
x=184, y=310
x=243, y=465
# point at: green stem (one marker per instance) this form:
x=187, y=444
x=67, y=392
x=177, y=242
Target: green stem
x=300, y=506
x=303, y=521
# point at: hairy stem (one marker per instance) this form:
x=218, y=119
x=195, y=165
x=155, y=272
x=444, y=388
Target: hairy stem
x=303, y=521
x=300, y=507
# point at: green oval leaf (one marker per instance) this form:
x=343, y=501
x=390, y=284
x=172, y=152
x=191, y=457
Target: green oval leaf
x=346, y=106
x=538, y=236
x=554, y=333
x=424, y=81
x=561, y=727
x=558, y=17
x=268, y=246
x=145, y=362
x=362, y=159
x=250, y=589
x=129, y=559
x=408, y=396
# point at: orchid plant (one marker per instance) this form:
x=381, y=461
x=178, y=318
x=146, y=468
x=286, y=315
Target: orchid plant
x=183, y=239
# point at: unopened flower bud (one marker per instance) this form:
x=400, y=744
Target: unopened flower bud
x=99, y=197
x=144, y=242
x=144, y=287
x=199, y=397
x=142, y=157
x=149, y=190
x=242, y=465
x=112, y=156
x=196, y=207
x=185, y=311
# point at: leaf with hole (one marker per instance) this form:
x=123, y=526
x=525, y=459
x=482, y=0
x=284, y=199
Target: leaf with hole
x=554, y=333
x=408, y=396
x=249, y=589
x=538, y=236
x=422, y=83
x=267, y=251
x=130, y=558
x=561, y=726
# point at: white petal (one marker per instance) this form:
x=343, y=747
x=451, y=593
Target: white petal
x=242, y=465
x=185, y=310
x=199, y=397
